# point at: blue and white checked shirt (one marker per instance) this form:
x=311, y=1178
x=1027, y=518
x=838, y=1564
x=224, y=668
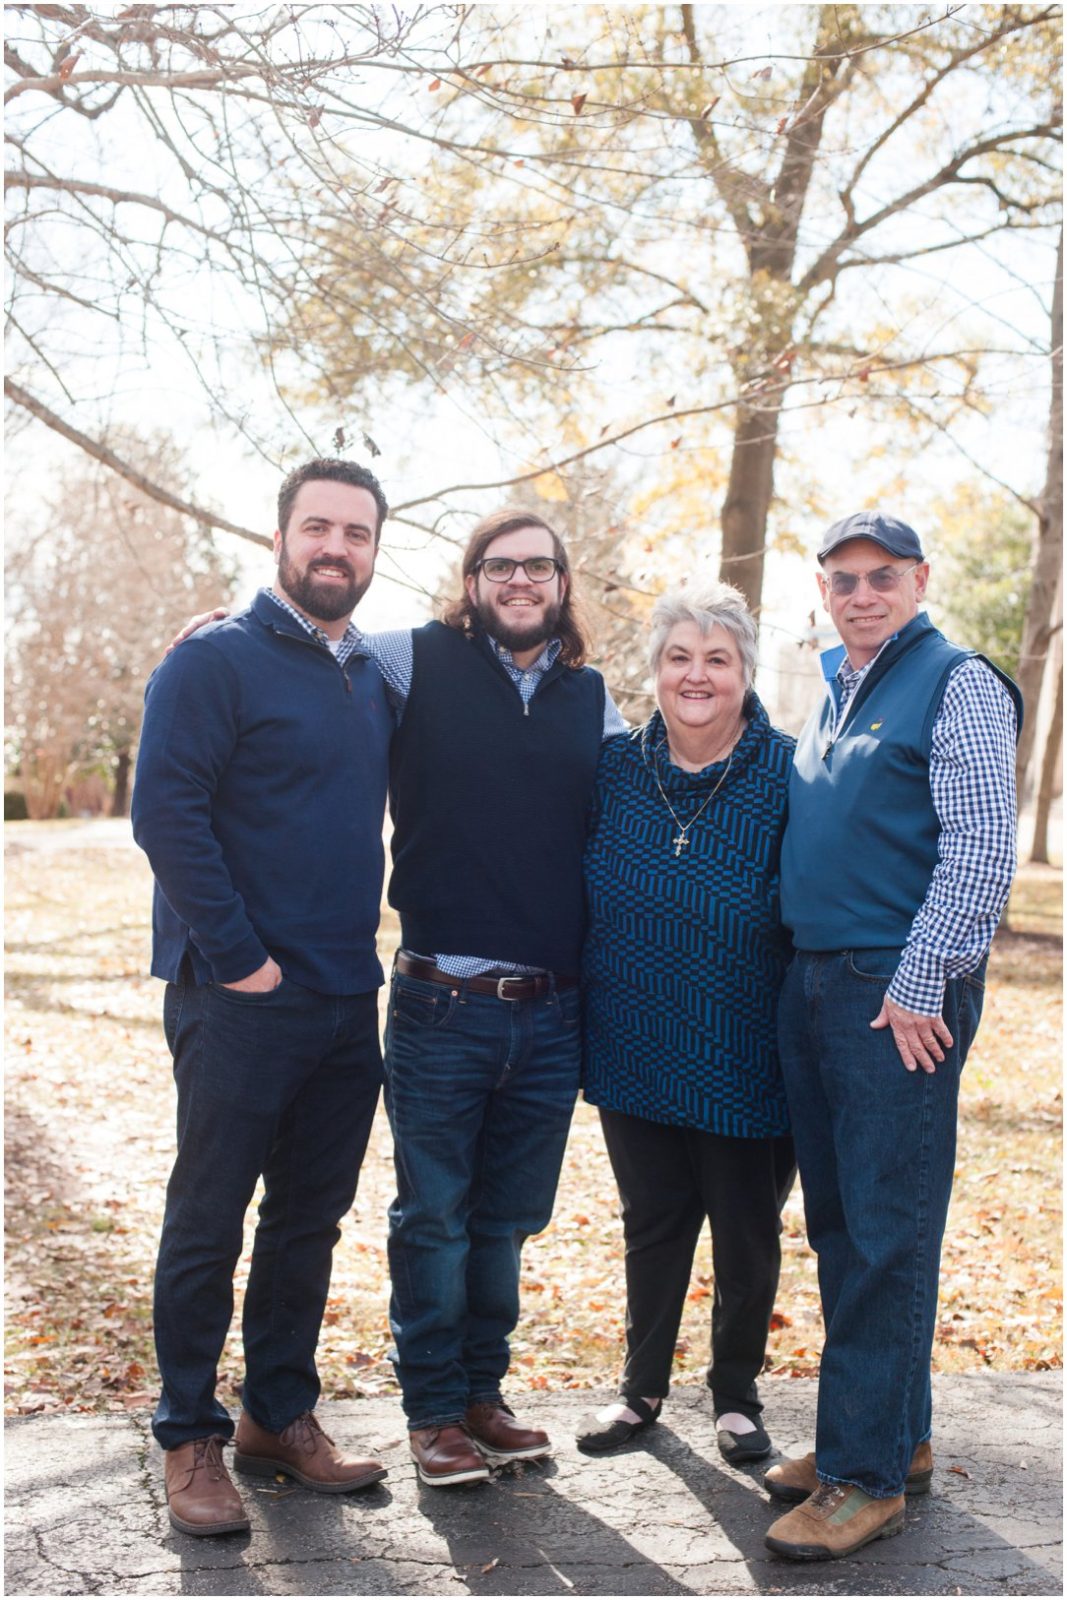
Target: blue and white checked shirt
x=972, y=785
x=350, y=643
x=395, y=657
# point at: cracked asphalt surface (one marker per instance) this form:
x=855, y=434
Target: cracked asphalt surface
x=85, y=1512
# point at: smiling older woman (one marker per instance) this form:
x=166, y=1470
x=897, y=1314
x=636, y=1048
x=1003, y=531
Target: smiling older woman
x=685, y=956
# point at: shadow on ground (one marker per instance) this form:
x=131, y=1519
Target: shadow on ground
x=85, y=1511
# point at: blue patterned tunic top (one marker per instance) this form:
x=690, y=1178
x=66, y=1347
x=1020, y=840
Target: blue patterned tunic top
x=685, y=953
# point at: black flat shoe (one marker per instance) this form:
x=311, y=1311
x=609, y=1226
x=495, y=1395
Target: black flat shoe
x=594, y=1436
x=737, y=1448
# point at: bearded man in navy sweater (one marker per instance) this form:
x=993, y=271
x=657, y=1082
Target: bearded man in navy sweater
x=259, y=800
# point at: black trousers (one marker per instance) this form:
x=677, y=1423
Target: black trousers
x=670, y=1180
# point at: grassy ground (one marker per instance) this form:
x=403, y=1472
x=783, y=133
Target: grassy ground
x=89, y=1134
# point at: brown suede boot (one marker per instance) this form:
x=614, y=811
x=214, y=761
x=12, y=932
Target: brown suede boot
x=796, y=1480
x=302, y=1451
x=835, y=1521
x=201, y=1498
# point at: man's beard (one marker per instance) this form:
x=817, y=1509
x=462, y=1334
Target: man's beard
x=323, y=602
x=538, y=631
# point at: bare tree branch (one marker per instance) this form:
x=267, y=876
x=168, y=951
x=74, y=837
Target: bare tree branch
x=125, y=469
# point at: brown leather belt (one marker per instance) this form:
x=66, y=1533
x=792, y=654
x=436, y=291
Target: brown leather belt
x=525, y=986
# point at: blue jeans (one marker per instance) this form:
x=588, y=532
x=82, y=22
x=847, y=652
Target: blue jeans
x=281, y=1085
x=480, y=1093
x=876, y=1147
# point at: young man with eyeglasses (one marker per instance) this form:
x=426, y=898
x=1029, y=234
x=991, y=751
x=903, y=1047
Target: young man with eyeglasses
x=896, y=864
x=491, y=775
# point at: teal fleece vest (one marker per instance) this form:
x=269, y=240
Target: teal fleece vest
x=861, y=843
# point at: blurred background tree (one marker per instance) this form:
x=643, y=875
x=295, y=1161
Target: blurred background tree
x=92, y=599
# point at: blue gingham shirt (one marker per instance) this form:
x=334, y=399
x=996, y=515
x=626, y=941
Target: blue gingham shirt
x=393, y=652
x=972, y=785
x=351, y=642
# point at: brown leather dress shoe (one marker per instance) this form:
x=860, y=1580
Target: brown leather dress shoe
x=795, y=1480
x=446, y=1455
x=500, y=1437
x=302, y=1451
x=201, y=1498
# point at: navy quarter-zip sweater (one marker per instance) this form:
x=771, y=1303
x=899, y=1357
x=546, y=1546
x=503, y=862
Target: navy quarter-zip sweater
x=490, y=802
x=259, y=800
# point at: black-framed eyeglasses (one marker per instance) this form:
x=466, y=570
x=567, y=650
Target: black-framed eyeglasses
x=499, y=569
x=883, y=580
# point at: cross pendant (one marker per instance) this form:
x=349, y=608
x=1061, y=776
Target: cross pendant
x=680, y=843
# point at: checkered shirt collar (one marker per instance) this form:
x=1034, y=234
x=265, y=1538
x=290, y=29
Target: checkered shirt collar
x=351, y=639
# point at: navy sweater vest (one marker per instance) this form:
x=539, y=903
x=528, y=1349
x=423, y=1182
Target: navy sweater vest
x=861, y=844
x=490, y=805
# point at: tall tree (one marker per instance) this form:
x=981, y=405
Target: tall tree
x=1040, y=620
x=739, y=238
x=585, y=226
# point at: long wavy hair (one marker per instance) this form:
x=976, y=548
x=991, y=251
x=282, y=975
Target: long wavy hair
x=461, y=614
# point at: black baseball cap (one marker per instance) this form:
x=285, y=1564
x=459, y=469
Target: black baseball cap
x=892, y=534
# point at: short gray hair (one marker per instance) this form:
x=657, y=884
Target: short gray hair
x=710, y=605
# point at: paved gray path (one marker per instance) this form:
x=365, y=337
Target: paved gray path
x=85, y=1511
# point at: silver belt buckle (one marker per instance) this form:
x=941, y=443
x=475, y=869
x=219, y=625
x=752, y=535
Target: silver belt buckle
x=500, y=982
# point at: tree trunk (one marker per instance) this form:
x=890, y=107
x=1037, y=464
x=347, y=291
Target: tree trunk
x=120, y=800
x=748, y=499
x=43, y=782
x=1049, y=767
x=1048, y=556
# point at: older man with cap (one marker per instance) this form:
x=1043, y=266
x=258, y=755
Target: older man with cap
x=896, y=864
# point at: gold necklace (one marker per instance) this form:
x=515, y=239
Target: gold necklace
x=681, y=839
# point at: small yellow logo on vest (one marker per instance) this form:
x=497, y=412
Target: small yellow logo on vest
x=875, y=726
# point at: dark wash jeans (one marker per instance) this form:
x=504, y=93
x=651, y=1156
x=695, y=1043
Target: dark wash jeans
x=480, y=1093
x=284, y=1086
x=876, y=1147
x=671, y=1181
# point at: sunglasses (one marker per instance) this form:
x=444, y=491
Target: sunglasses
x=883, y=580
x=498, y=569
